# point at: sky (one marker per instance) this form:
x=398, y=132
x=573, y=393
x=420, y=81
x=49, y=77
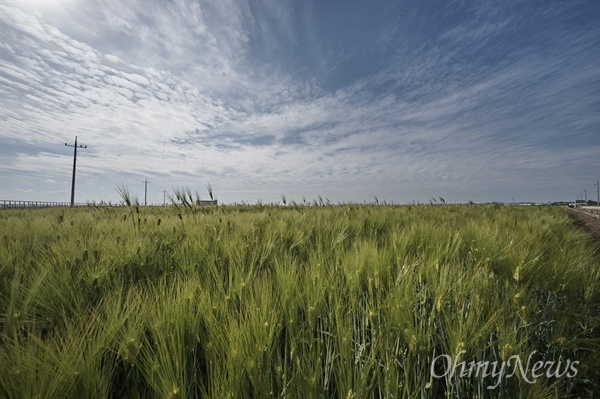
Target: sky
x=348, y=100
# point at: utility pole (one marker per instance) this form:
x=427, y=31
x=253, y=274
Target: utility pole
x=597, y=192
x=75, y=146
x=585, y=191
x=145, y=190
x=164, y=197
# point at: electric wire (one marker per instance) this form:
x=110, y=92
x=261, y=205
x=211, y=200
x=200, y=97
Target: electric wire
x=22, y=123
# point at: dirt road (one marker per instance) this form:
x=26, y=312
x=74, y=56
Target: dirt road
x=589, y=222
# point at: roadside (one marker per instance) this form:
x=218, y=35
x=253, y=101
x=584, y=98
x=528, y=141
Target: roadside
x=591, y=223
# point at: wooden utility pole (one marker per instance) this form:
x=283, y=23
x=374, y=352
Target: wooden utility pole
x=145, y=190
x=597, y=192
x=75, y=146
x=164, y=197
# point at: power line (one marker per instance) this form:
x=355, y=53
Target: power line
x=43, y=149
x=97, y=160
x=31, y=125
x=32, y=128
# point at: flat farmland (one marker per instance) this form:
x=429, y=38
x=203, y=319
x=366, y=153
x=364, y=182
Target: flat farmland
x=298, y=302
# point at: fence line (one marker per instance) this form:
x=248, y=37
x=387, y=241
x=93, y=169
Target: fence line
x=7, y=204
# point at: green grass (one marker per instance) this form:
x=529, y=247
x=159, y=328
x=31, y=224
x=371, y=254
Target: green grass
x=292, y=301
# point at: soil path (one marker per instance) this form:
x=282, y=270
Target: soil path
x=586, y=220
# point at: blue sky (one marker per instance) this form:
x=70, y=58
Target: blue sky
x=467, y=100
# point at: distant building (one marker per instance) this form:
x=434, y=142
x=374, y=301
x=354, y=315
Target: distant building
x=206, y=202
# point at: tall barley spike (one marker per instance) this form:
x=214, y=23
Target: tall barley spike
x=210, y=191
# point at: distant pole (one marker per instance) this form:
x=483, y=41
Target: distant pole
x=75, y=146
x=585, y=191
x=145, y=190
x=597, y=192
x=164, y=197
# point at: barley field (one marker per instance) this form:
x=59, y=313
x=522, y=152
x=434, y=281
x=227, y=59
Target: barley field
x=297, y=302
